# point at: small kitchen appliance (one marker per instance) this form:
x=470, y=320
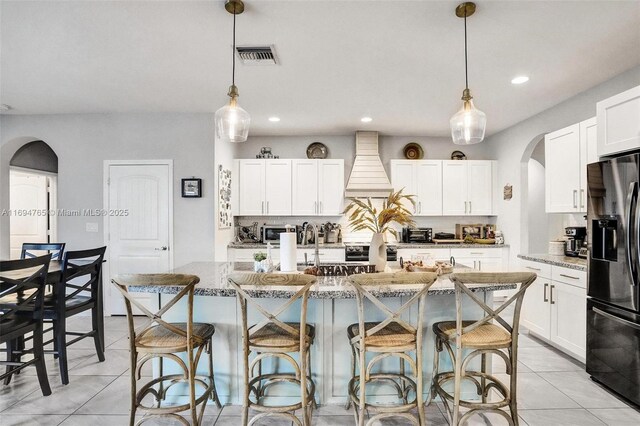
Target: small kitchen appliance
x=576, y=235
x=417, y=235
x=360, y=253
x=271, y=233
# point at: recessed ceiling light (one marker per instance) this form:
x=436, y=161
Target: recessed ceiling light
x=4, y=107
x=520, y=79
x=366, y=119
x=274, y=119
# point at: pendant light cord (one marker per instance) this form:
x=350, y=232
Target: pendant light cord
x=466, y=71
x=233, y=53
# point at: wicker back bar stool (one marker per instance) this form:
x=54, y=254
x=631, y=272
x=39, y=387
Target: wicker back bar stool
x=274, y=338
x=157, y=338
x=392, y=337
x=490, y=335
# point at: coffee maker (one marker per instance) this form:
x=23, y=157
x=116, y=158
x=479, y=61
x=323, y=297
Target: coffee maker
x=576, y=236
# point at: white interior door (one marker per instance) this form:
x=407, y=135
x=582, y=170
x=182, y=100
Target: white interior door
x=28, y=201
x=139, y=231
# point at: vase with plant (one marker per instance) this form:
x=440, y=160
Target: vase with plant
x=258, y=261
x=363, y=215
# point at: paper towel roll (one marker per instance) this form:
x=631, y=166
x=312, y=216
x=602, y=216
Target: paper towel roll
x=288, y=247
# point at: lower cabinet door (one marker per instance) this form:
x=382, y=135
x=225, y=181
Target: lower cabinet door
x=535, y=314
x=569, y=318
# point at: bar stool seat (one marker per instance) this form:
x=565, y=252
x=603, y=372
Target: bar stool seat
x=391, y=335
x=485, y=336
x=274, y=336
x=159, y=338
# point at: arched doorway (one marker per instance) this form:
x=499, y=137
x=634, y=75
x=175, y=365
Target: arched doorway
x=33, y=172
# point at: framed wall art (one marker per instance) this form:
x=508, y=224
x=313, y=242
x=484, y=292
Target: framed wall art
x=225, y=217
x=191, y=188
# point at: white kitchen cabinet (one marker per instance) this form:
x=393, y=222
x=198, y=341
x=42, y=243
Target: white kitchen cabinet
x=423, y=179
x=619, y=123
x=277, y=181
x=555, y=307
x=562, y=170
x=568, y=318
x=326, y=255
x=330, y=187
x=305, y=187
x=535, y=314
x=424, y=253
x=480, y=259
x=567, y=153
x=318, y=187
x=252, y=188
x=468, y=187
x=265, y=187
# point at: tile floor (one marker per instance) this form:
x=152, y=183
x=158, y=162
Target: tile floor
x=552, y=390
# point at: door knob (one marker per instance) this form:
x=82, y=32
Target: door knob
x=163, y=248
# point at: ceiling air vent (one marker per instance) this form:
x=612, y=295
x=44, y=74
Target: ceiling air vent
x=257, y=55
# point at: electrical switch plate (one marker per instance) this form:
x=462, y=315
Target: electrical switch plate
x=92, y=227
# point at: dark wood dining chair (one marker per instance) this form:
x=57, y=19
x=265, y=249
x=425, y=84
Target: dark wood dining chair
x=31, y=250
x=21, y=306
x=79, y=290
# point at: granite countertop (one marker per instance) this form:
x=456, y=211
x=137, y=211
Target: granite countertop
x=564, y=261
x=236, y=245
x=213, y=282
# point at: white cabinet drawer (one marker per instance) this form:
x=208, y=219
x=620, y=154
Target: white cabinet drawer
x=569, y=276
x=436, y=253
x=477, y=252
x=543, y=270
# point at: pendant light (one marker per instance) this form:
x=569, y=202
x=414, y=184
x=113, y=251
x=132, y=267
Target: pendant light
x=232, y=122
x=468, y=124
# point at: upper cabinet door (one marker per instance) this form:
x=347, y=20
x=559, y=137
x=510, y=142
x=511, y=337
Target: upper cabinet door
x=562, y=170
x=480, y=187
x=277, y=181
x=454, y=188
x=403, y=176
x=619, y=123
x=330, y=187
x=428, y=187
x=305, y=187
x=588, y=155
x=252, y=187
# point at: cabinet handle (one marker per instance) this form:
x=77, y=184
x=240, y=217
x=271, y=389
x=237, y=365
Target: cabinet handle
x=575, y=195
x=267, y=207
x=469, y=207
x=551, y=294
x=315, y=207
x=546, y=286
x=476, y=252
x=582, y=198
x=569, y=276
x=479, y=265
x=534, y=269
x=320, y=206
x=262, y=209
x=465, y=207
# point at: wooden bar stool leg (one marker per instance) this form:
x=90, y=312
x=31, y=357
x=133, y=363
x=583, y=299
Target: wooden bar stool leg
x=483, y=381
x=353, y=374
x=214, y=392
x=133, y=402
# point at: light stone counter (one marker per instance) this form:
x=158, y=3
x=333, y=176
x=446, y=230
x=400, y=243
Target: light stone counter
x=564, y=261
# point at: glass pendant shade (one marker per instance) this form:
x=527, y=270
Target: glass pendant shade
x=232, y=122
x=468, y=125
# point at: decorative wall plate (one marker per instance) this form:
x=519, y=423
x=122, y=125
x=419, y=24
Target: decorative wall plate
x=458, y=155
x=413, y=151
x=317, y=150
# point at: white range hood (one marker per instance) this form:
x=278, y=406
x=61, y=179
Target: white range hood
x=368, y=177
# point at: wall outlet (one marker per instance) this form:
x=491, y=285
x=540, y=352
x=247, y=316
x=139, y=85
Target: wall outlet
x=92, y=227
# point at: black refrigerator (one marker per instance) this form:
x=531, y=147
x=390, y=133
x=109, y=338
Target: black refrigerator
x=613, y=306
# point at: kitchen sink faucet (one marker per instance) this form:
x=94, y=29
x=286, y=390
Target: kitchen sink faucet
x=316, y=250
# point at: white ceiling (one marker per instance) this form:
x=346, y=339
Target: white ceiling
x=400, y=62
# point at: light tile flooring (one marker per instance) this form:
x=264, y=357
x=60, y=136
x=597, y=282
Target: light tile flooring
x=552, y=390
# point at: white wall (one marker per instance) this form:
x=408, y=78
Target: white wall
x=83, y=141
x=512, y=146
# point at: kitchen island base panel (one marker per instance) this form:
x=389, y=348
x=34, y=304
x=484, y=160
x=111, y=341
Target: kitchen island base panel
x=330, y=353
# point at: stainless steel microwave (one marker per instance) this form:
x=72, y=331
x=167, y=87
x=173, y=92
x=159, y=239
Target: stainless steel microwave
x=271, y=233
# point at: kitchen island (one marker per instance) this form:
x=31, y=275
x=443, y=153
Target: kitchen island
x=331, y=309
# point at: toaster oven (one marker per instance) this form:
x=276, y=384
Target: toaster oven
x=417, y=235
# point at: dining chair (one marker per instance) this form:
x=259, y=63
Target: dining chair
x=464, y=340
x=30, y=250
x=275, y=339
x=158, y=339
x=394, y=336
x=79, y=290
x=21, y=305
